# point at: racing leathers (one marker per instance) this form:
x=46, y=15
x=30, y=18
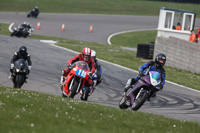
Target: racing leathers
x=90, y=63
x=144, y=70
x=18, y=56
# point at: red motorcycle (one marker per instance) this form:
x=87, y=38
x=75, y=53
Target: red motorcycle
x=76, y=79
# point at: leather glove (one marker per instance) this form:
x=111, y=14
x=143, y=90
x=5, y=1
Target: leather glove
x=141, y=73
x=69, y=66
x=90, y=74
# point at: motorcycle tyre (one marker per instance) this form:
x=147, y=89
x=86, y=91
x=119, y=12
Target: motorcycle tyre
x=74, y=88
x=140, y=101
x=122, y=105
x=19, y=81
x=86, y=93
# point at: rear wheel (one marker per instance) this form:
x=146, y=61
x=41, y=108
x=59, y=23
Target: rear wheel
x=140, y=101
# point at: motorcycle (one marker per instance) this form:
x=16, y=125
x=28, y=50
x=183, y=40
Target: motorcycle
x=76, y=79
x=20, y=71
x=87, y=91
x=33, y=14
x=136, y=96
x=19, y=31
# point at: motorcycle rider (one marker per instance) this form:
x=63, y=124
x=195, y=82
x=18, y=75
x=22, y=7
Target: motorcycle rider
x=97, y=67
x=156, y=65
x=84, y=56
x=22, y=53
x=35, y=11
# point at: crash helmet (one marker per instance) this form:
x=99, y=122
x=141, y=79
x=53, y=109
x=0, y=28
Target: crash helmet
x=22, y=50
x=25, y=23
x=36, y=7
x=93, y=54
x=86, y=52
x=160, y=59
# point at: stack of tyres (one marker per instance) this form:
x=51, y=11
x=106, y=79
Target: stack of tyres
x=145, y=51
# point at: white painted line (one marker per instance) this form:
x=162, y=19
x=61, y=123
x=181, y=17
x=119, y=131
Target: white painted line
x=48, y=41
x=125, y=68
x=114, y=34
x=10, y=27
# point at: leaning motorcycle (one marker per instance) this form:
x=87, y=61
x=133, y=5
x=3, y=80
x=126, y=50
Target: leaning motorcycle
x=76, y=79
x=87, y=91
x=136, y=96
x=20, y=71
x=33, y=14
x=19, y=31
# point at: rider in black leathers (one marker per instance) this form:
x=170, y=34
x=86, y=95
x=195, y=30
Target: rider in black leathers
x=22, y=53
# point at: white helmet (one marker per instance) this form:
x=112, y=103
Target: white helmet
x=93, y=54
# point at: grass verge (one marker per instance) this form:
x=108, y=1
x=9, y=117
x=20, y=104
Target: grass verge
x=127, y=7
x=113, y=53
x=23, y=111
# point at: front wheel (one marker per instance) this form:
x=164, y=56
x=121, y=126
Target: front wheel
x=140, y=101
x=86, y=93
x=122, y=103
x=74, y=87
x=19, y=81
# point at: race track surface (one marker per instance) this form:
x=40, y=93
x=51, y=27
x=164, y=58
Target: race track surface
x=48, y=61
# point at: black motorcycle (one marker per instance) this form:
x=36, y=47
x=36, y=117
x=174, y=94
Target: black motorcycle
x=20, y=71
x=19, y=31
x=33, y=13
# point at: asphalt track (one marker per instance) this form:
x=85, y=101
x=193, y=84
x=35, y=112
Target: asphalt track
x=48, y=61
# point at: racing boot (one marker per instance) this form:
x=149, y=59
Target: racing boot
x=10, y=76
x=62, y=78
x=153, y=94
x=26, y=77
x=129, y=84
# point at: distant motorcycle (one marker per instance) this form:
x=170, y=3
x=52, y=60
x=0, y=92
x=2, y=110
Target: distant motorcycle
x=33, y=13
x=20, y=71
x=20, y=31
x=76, y=79
x=136, y=96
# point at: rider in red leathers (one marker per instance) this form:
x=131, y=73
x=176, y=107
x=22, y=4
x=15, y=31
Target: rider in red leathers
x=84, y=56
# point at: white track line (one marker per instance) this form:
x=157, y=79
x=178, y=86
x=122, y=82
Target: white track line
x=114, y=34
x=10, y=27
x=124, y=68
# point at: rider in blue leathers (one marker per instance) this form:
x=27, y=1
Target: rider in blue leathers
x=98, y=69
x=156, y=65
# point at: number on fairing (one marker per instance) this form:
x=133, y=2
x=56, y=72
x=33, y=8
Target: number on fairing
x=81, y=73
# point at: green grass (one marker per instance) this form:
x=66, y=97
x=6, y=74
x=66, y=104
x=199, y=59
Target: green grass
x=23, y=111
x=124, y=7
x=131, y=39
x=178, y=76
x=113, y=53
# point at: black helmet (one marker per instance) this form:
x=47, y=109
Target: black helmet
x=160, y=59
x=22, y=50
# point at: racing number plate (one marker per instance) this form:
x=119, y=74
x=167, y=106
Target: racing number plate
x=81, y=73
